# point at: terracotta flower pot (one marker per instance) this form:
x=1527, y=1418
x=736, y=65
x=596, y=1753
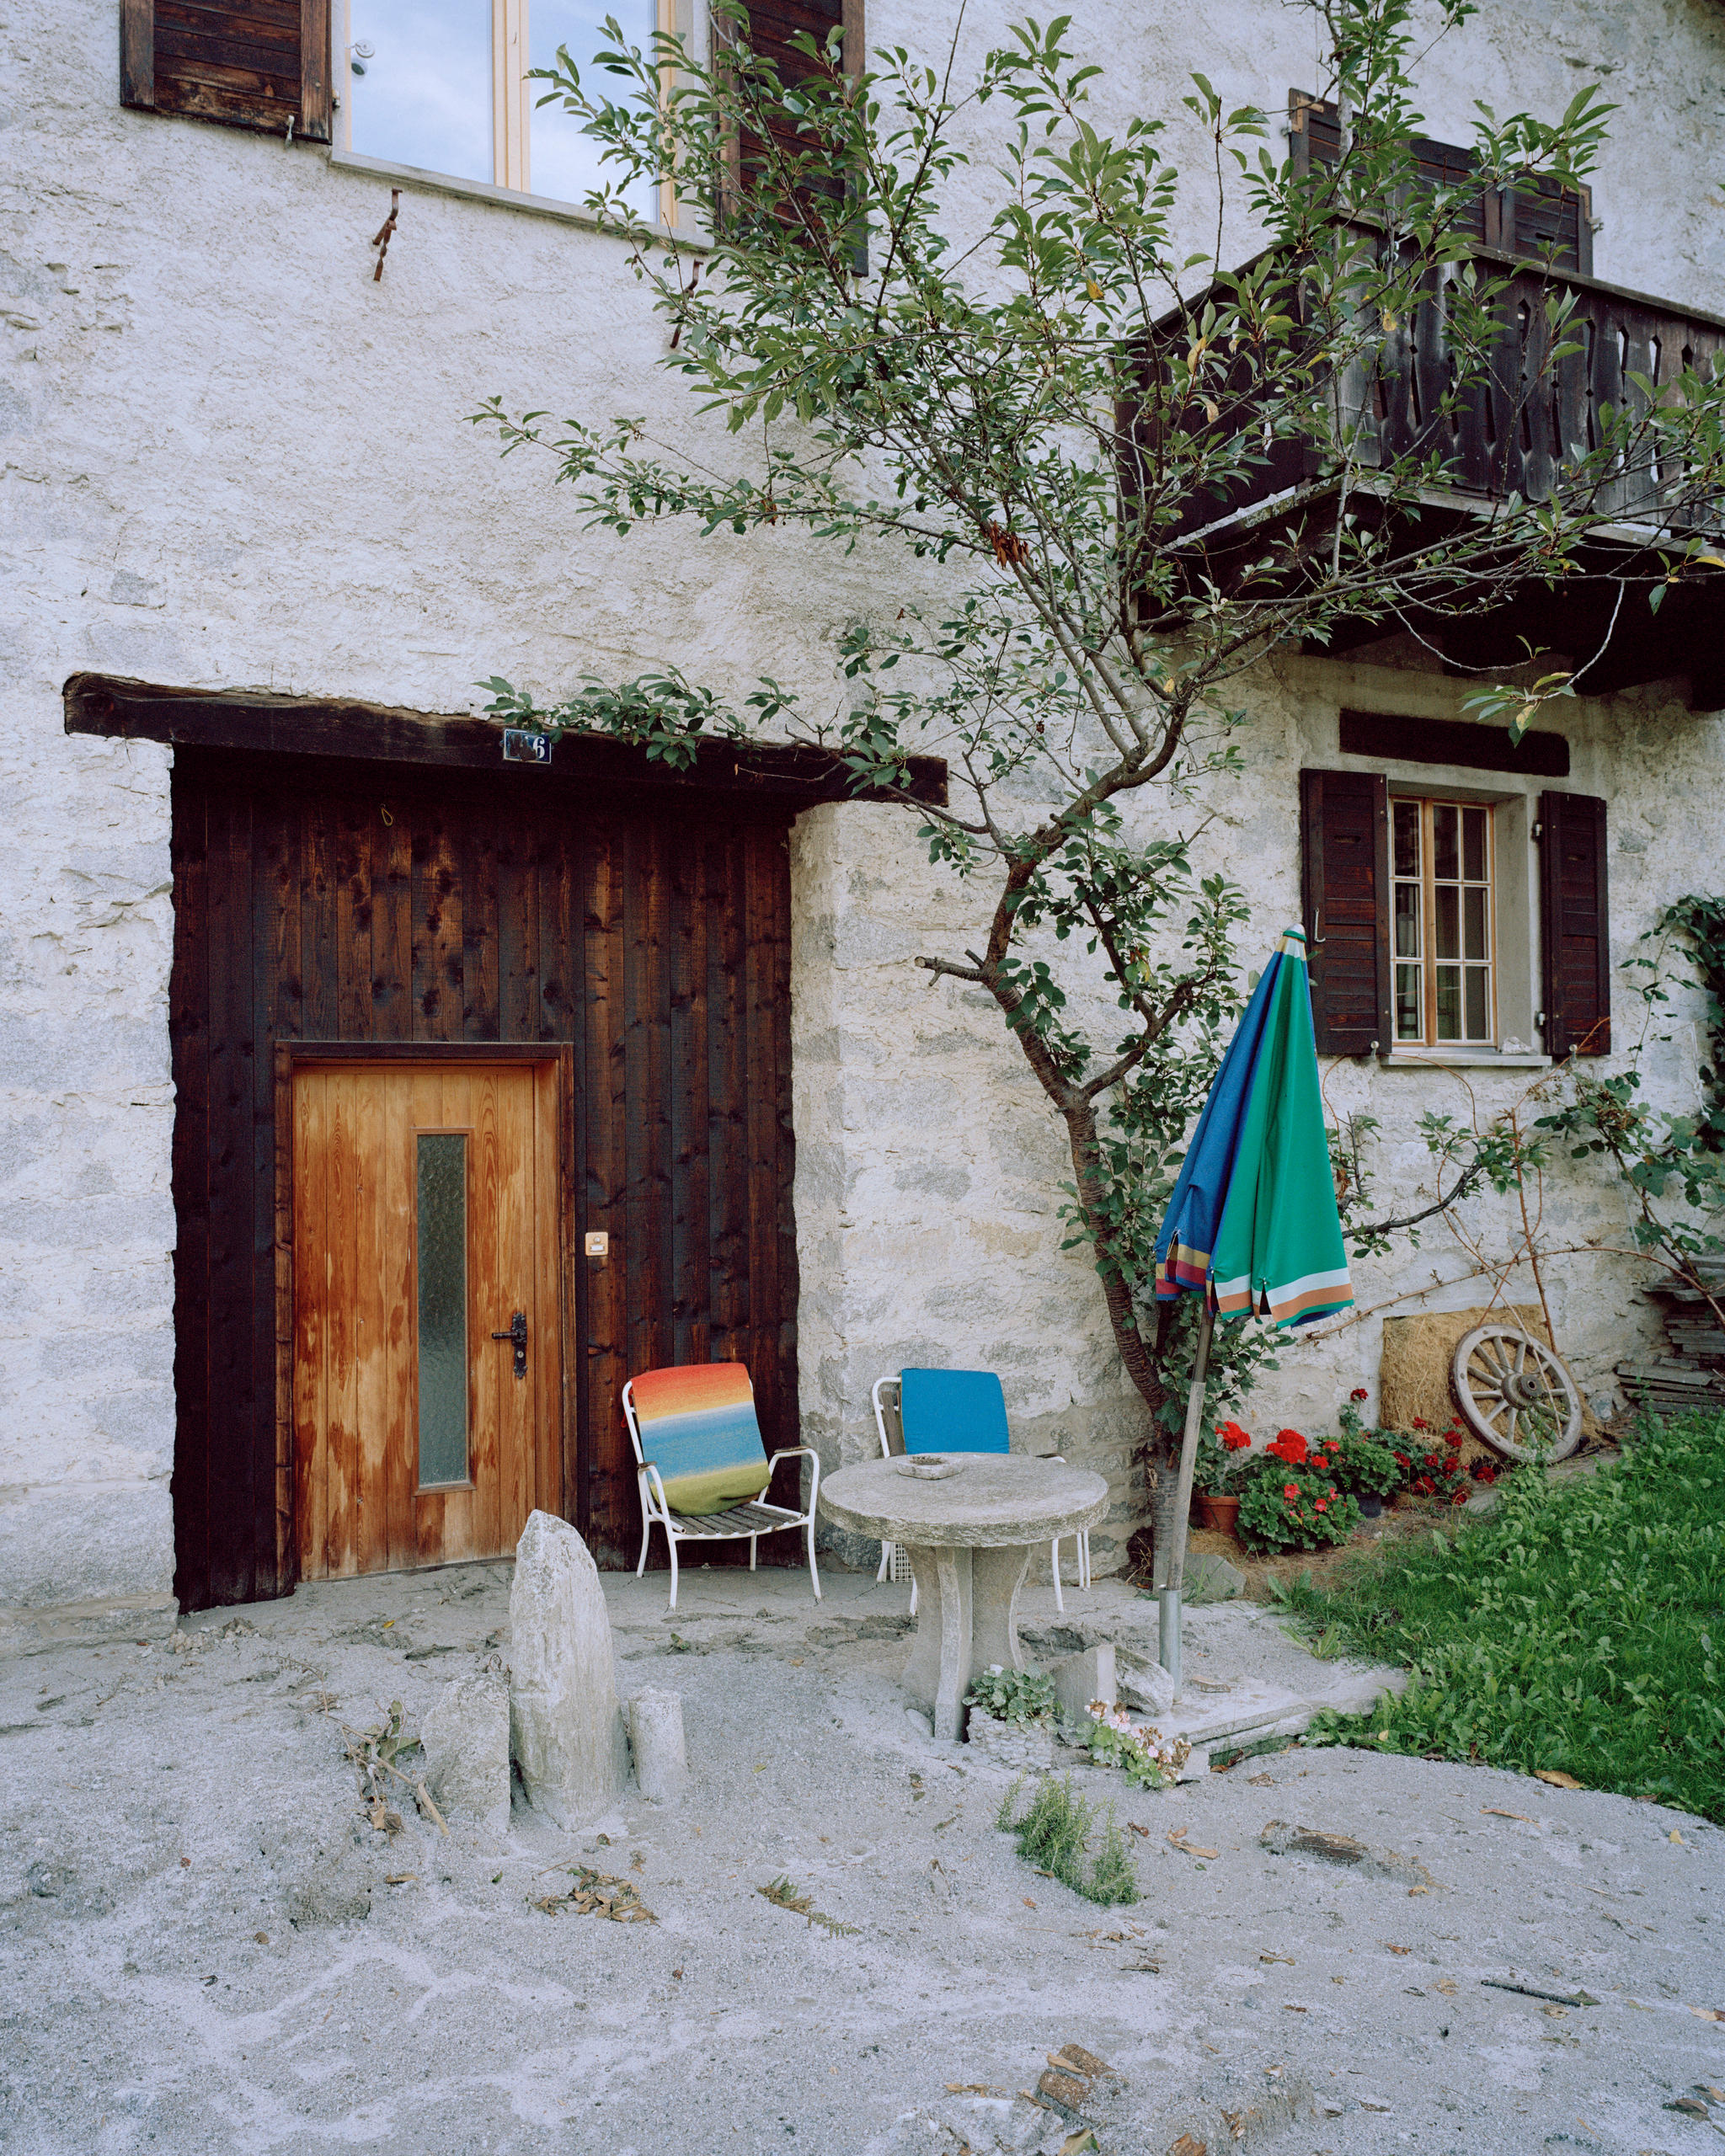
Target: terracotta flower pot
x=1220, y=1514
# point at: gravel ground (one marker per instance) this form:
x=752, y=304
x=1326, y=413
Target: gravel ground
x=206, y=1946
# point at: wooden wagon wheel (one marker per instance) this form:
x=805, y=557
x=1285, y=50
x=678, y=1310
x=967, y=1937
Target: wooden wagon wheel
x=1514, y=1393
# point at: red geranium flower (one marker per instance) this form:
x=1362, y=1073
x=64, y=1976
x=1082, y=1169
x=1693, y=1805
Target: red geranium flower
x=1291, y=1446
x=1459, y=1497
x=1233, y=1437
x=1404, y=1459
x=1291, y=1489
x=1453, y=1439
x=1359, y=1392
x=1319, y=1505
x=1421, y=1424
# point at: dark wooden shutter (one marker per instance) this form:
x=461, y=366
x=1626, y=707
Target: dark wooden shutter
x=1549, y=220
x=771, y=25
x=1578, y=941
x=1541, y=217
x=245, y=63
x=1345, y=841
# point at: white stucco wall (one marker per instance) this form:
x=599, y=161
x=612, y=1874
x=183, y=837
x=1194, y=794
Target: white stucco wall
x=231, y=458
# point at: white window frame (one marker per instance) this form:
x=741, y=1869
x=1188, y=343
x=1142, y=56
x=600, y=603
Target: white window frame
x=513, y=99
x=1427, y=958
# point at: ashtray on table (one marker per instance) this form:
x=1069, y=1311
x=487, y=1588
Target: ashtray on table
x=929, y=1466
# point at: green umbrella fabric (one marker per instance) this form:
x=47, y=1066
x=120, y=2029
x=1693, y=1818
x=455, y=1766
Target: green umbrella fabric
x=1279, y=1253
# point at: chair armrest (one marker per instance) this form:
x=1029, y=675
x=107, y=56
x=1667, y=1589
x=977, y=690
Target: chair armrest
x=796, y=1452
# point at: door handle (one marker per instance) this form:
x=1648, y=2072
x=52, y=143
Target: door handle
x=518, y=1333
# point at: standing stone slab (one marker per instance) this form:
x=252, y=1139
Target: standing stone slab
x=466, y=1737
x=1079, y=1678
x=566, y=1733
x=656, y=1739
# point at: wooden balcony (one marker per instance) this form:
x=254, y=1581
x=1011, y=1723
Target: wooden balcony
x=1515, y=430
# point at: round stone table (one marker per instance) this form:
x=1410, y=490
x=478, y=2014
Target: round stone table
x=969, y=1537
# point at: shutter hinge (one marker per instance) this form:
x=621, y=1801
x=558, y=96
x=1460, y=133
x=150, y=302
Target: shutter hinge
x=1537, y=832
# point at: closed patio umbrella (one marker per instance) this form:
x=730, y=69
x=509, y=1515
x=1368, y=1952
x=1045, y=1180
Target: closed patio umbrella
x=1253, y=1225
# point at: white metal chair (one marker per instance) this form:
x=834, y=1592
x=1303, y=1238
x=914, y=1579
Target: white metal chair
x=888, y=1396
x=708, y=1477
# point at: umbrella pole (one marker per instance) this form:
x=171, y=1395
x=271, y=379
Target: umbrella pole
x=1173, y=1574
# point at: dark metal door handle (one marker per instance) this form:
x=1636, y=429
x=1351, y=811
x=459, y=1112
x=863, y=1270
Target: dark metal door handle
x=518, y=1333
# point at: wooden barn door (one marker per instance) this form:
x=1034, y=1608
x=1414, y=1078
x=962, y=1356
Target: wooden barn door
x=427, y=1343
x=632, y=949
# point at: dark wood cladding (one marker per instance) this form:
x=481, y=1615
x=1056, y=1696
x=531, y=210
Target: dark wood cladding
x=318, y=900
x=1577, y=954
x=795, y=774
x=260, y=64
x=1390, y=738
x=1344, y=823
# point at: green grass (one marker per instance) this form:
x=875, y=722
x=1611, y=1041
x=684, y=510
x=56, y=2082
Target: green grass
x=1577, y=1627
x=1054, y=1835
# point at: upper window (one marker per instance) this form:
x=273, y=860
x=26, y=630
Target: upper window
x=443, y=84
x=1441, y=868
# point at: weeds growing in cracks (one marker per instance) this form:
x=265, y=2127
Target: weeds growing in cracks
x=1055, y=1836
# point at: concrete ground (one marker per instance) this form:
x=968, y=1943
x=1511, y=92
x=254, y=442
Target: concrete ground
x=206, y=1946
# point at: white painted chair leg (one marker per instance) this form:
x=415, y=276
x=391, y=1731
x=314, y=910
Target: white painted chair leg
x=753, y=1540
x=814, y=1575
x=672, y=1541
x=886, y=1559
x=1055, y=1567
x=913, y=1595
x=1084, y=1558
x=646, y=1532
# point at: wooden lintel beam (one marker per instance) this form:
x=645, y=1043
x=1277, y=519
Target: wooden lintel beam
x=261, y=721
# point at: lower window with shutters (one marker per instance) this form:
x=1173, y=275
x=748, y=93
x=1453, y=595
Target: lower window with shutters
x=1447, y=923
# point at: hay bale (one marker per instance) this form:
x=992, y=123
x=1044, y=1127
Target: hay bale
x=1413, y=1370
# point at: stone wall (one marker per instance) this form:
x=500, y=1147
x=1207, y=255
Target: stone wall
x=232, y=458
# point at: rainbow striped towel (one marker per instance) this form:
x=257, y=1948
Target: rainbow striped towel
x=698, y=1429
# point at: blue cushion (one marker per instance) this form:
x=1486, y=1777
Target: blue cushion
x=953, y=1410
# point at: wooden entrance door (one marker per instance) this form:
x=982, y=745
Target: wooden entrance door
x=424, y=1225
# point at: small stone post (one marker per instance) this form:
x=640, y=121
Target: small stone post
x=656, y=1733
x=566, y=1733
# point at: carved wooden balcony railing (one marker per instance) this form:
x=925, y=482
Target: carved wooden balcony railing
x=1518, y=428
x=1514, y=430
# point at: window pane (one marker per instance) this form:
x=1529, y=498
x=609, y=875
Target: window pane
x=1449, y=1003
x=1448, y=928
x=1473, y=916
x=1406, y=814
x=442, y=1218
x=1477, y=1029
x=1473, y=845
x=563, y=163
x=1444, y=861
x=1407, y=921
x=425, y=97
x=1410, y=1022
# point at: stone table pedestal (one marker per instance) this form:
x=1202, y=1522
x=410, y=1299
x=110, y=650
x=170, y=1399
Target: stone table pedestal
x=969, y=1537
